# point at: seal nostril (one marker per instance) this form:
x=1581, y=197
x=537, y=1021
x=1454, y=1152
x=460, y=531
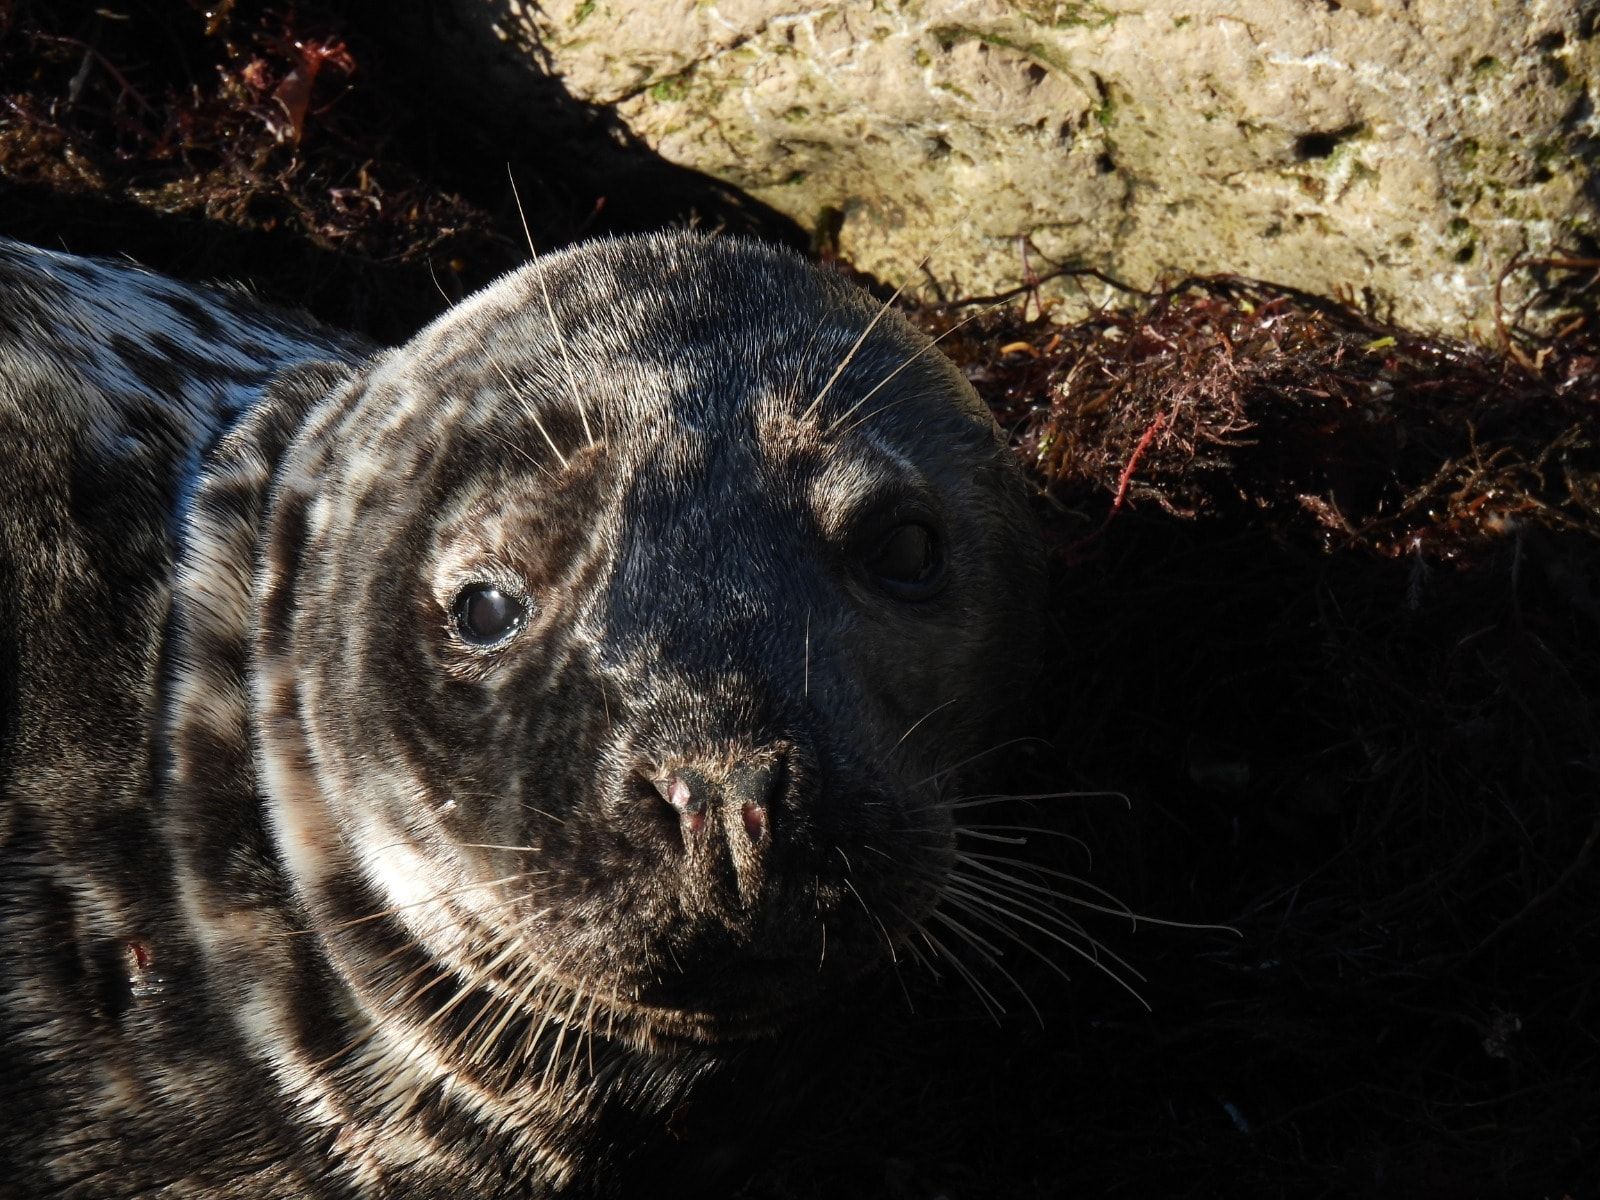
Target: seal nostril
x=690, y=808
x=673, y=797
x=677, y=794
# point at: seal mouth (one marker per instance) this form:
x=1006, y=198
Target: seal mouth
x=752, y=1020
x=659, y=1021
x=747, y=999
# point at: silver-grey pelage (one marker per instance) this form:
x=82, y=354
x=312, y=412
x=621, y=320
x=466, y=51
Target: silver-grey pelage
x=446, y=771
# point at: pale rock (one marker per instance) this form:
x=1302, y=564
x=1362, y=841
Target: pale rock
x=1403, y=151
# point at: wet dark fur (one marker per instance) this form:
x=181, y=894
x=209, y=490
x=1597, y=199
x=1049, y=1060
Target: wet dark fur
x=303, y=895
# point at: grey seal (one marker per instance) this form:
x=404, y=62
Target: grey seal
x=429, y=770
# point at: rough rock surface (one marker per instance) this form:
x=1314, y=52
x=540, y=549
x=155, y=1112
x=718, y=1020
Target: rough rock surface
x=1407, y=147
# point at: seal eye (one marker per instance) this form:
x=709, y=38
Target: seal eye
x=907, y=561
x=485, y=615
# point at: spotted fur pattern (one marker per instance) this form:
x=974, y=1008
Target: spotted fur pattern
x=307, y=896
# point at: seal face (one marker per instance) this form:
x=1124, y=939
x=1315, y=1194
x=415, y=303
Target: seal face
x=539, y=715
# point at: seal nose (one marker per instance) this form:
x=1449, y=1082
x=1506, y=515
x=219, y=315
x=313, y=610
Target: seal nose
x=723, y=812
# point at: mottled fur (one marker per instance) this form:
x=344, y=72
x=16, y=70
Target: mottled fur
x=304, y=896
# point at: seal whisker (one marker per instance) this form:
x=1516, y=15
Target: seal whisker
x=888, y=942
x=878, y=316
x=588, y=1031
x=1000, y=833
x=532, y=414
x=917, y=952
x=483, y=977
x=496, y=846
x=553, y=1067
x=613, y=1006
x=915, y=724
x=493, y=1015
x=389, y=912
x=979, y=912
x=570, y=1082
x=403, y=994
x=495, y=798
x=1000, y=892
x=437, y=286
x=519, y=451
x=991, y=1004
x=1121, y=909
x=973, y=801
x=1092, y=958
x=835, y=431
x=805, y=689
x=982, y=862
x=419, y=942
x=1013, y=905
x=976, y=941
x=555, y=326
x=996, y=892
x=421, y=937
x=370, y=1029
x=540, y=975
x=397, y=995
x=850, y=354
x=946, y=772
x=987, y=914
x=503, y=1008
x=917, y=927
x=1009, y=902
x=552, y=1074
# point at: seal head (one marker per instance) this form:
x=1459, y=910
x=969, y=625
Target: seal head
x=601, y=663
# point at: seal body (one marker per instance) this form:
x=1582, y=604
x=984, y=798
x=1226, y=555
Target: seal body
x=432, y=772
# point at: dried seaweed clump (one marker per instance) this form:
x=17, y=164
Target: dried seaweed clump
x=243, y=114
x=1224, y=391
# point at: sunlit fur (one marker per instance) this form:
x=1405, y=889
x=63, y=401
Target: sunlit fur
x=411, y=920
